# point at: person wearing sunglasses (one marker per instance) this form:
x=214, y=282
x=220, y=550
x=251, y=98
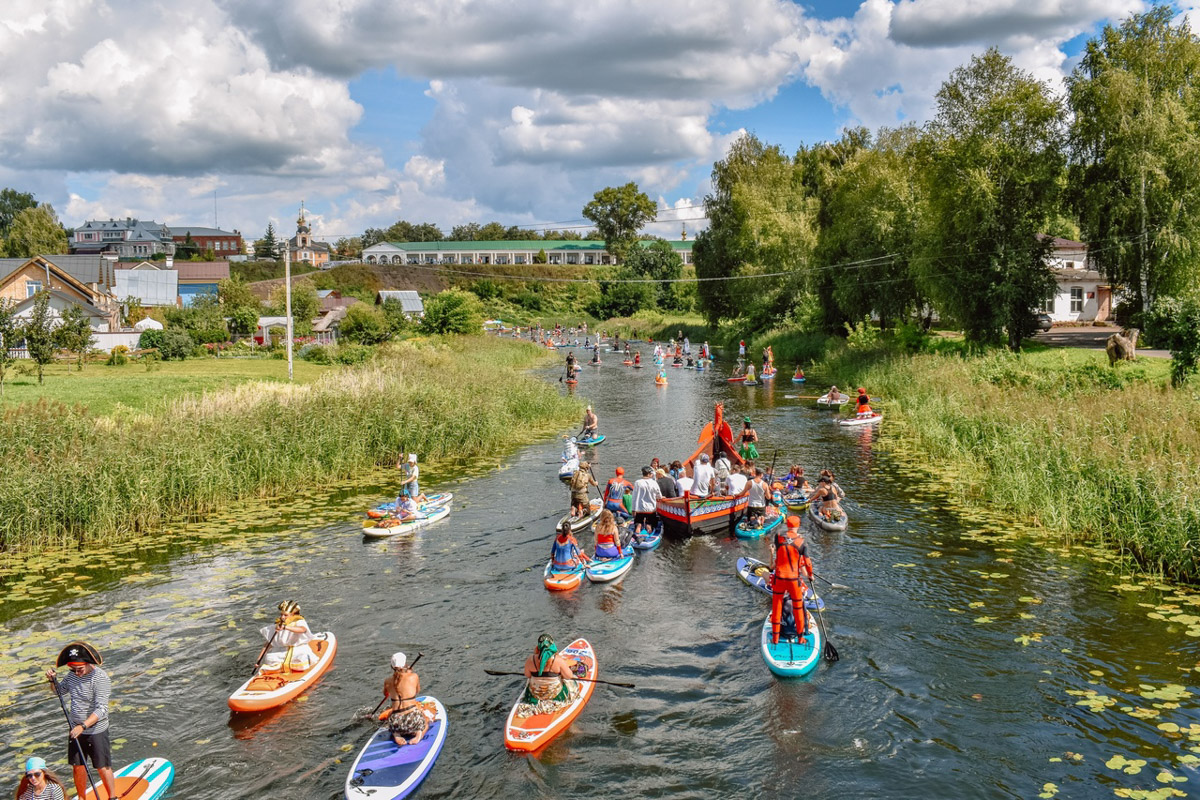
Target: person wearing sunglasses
x=88, y=687
x=39, y=783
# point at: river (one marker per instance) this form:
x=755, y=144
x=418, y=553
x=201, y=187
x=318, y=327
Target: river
x=976, y=659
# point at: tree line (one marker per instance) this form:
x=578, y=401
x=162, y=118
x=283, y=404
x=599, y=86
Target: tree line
x=953, y=218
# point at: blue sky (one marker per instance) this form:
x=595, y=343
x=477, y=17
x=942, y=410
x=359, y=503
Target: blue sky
x=371, y=111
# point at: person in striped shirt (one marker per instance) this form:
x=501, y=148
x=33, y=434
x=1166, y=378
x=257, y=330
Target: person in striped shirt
x=89, y=689
x=39, y=783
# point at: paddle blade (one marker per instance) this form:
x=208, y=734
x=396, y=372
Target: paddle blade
x=831, y=653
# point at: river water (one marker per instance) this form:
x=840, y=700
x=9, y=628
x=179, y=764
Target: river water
x=976, y=660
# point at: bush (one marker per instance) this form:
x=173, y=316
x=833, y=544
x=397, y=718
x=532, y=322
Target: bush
x=209, y=335
x=315, y=353
x=118, y=356
x=911, y=338
x=453, y=311
x=486, y=289
x=530, y=301
x=150, y=340
x=364, y=325
x=350, y=354
x=175, y=345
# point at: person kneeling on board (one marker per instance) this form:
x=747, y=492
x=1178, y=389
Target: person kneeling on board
x=565, y=554
x=862, y=404
x=549, y=679
x=407, y=721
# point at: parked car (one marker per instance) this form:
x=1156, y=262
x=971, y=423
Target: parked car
x=1042, y=322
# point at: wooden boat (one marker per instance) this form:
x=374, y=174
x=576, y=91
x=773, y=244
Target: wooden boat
x=384, y=770
x=271, y=688
x=688, y=515
x=535, y=731
x=819, y=518
x=790, y=658
x=579, y=523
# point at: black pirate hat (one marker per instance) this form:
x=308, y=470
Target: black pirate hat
x=79, y=651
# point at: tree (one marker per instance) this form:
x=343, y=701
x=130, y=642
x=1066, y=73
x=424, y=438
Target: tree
x=235, y=293
x=397, y=321
x=1135, y=133
x=188, y=249
x=493, y=232
x=74, y=333
x=38, y=333
x=468, y=232
x=995, y=176
x=306, y=304
x=622, y=295
x=1174, y=323
x=268, y=246
x=364, y=325
x=12, y=203
x=346, y=249
x=453, y=311
x=660, y=262
x=243, y=321
x=619, y=213
x=540, y=257
x=10, y=333
x=35, y=231
x=133, y=311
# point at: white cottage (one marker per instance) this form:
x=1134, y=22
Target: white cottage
x=1080, y=294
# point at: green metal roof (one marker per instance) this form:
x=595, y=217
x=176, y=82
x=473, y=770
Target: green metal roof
x=562, y=245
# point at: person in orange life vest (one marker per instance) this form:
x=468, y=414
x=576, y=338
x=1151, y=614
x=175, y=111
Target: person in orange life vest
x=607, y=544
x=862, y=403
x=614, y=495
x=790, y=559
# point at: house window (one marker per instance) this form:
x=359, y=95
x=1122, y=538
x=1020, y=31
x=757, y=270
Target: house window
x=1048, y=303
x=32, y=288
x=1076, y=299
x=518, y=259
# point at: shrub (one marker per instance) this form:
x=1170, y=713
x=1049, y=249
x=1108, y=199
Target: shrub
x=118, y=356
x=209, y=335
x=453, y=311
x=150, y=340
x=862, y=335
x=175, y=345
x=485, y=289
x=315, y=353
x=911, y=338
x=530, y=301
x=364, y=325
x=352, y=354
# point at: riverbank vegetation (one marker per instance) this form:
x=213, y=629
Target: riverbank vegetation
x=73, y=477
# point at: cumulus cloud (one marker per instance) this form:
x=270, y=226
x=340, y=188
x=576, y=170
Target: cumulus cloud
x=944, y=23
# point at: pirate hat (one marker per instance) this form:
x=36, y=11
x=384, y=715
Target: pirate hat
x=79, y=651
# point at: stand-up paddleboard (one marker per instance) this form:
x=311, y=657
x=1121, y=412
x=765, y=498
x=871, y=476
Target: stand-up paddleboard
x=736, y=380
x=869, y=419
x=147, y=779
x=432, y=501
x=382, y=531
x=798, y=380
x=535, y=731
x=595, y=440
x=743, y=530
x=829, y=525
x=610, y=569
x=384, y=770
x=791, y=658
x=563, y=581
x=647, y=540
x=271, y=688
x=755, y=574
x=579, y=523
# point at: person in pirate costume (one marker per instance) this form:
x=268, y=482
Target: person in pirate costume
x=288, y=639
x=89, y=688
x=550, y=678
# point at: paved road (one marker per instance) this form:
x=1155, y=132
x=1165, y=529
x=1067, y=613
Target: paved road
x=1088, y=339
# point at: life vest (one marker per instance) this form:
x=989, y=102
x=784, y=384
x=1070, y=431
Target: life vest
x=787, y=562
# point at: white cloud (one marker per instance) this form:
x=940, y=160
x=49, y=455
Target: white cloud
x=942, y=23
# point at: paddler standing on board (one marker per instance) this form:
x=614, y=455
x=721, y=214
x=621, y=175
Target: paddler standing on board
x=549, y=679
x=791, y=557
x=581, y=479
x=749, y=450
x=411, y=485
x=89, y=689
x=288, y=641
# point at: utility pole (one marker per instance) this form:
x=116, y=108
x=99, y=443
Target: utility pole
x=287, y=294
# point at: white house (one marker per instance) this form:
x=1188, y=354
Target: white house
x=1080, y=294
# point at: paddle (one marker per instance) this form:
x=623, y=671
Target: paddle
x=832, y=585
x=589, y=680
x=385, y=697
x=78, y=746
x=266, y=647
x=831, y=653
x=803, y=396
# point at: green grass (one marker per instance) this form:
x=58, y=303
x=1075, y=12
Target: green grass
x=102, y=389
x=1055, y=437
x=72, y=477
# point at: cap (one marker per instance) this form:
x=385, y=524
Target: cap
x=399, y=660
x=412, y=458
x=793, y=521
x=620, y=470
x=647, y=471
x=34, y=763
x=704, y=458
x=80, y=653
x=861, y=390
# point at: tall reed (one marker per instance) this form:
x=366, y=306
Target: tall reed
x=1082, y=449
x=70, y=477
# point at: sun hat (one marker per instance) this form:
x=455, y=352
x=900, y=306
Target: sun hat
x=399, y=660
x=412, y=458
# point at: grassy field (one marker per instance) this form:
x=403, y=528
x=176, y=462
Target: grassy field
x=72, y=477
x=102, y=389
x=1055, y=437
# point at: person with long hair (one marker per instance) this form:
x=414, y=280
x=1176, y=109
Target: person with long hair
x=39, y=783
